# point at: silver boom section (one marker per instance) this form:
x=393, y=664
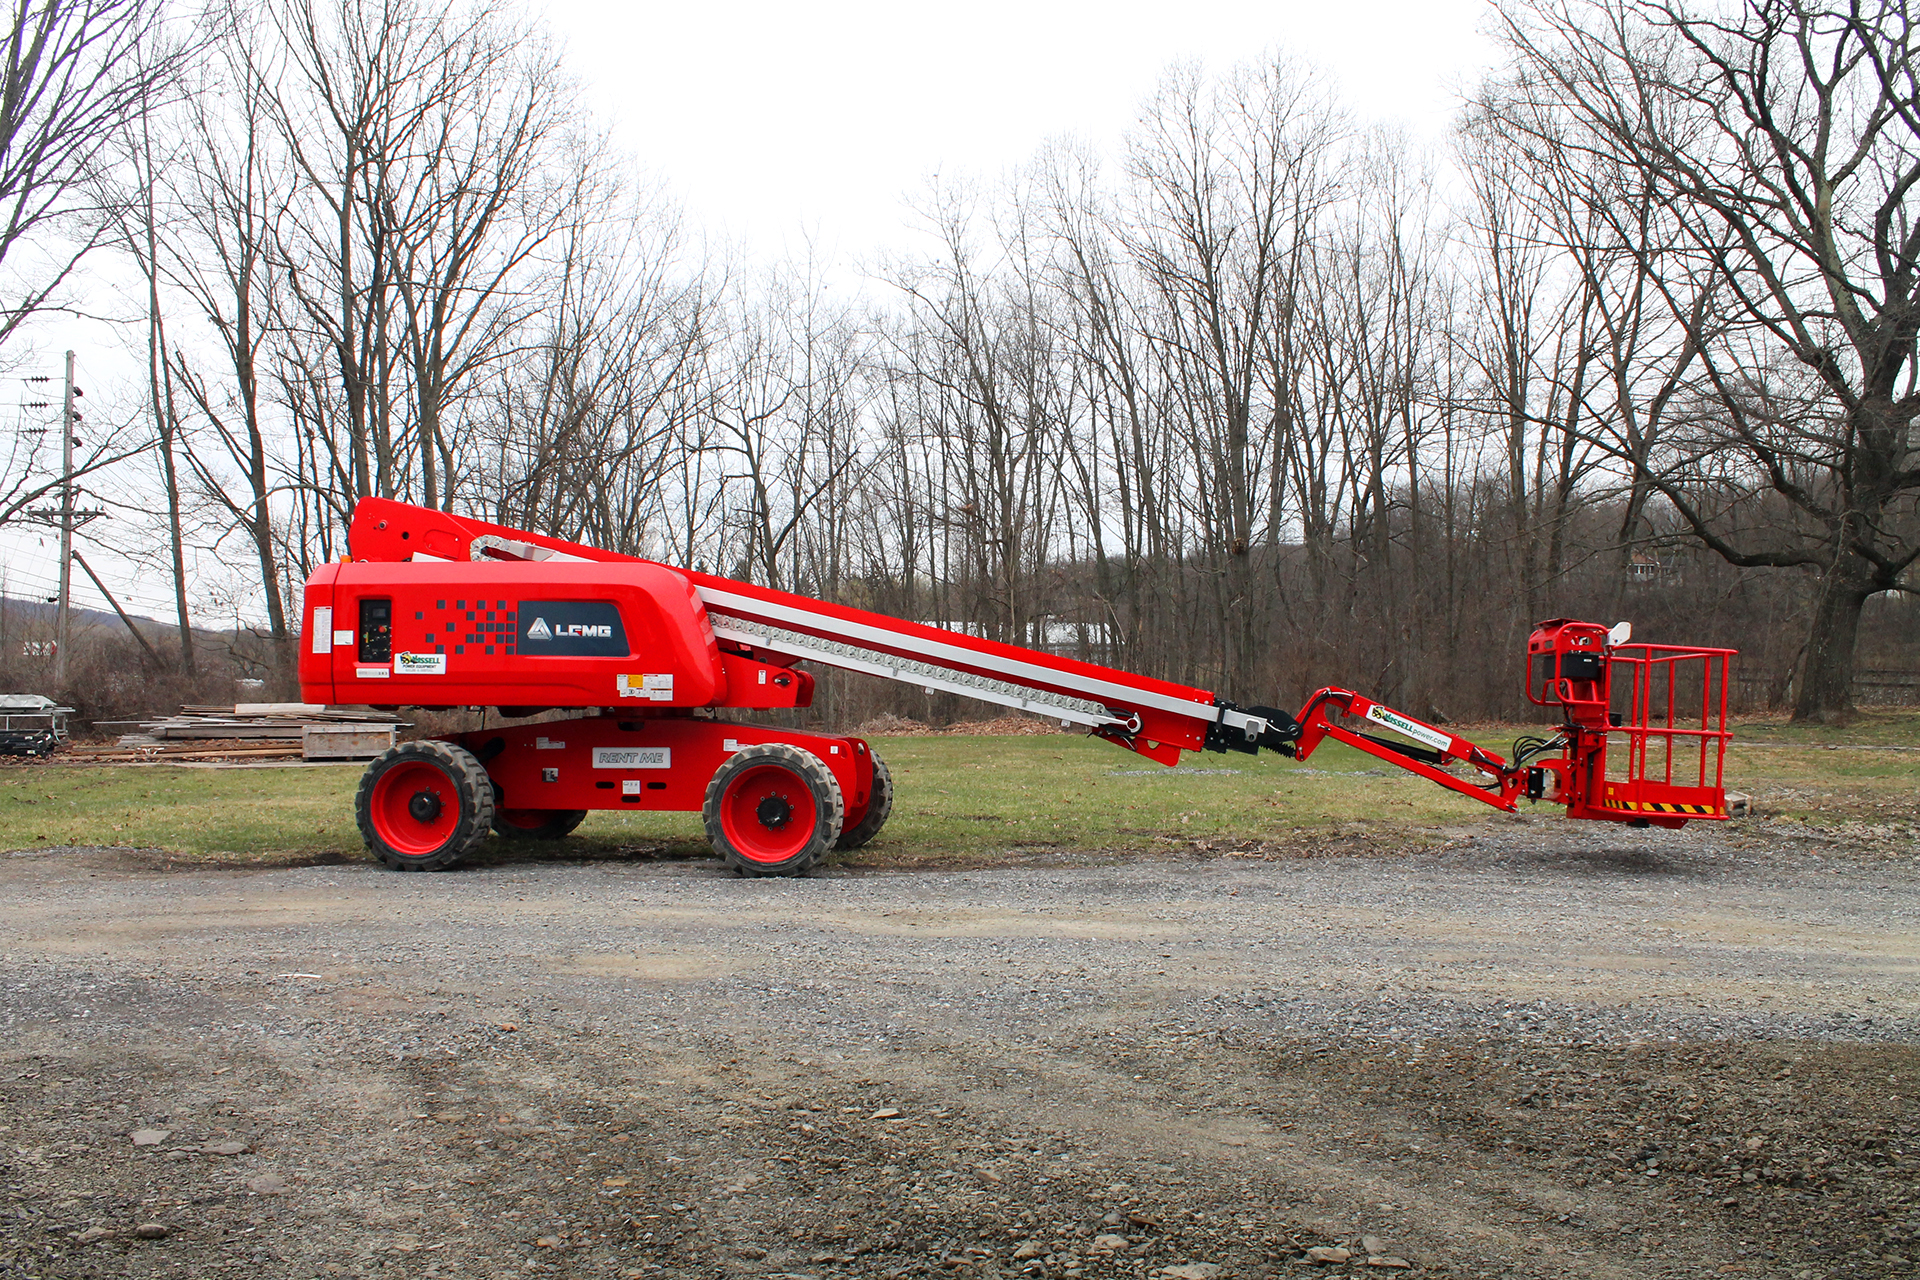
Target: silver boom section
x=875, y=662
x=887, y=666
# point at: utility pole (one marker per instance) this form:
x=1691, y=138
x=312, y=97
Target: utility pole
x=64, y=626
x=67, y=517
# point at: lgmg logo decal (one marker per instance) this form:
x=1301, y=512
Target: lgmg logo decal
x=541, y=631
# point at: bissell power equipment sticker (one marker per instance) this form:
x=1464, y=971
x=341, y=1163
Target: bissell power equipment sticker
x=633, y=757
x=1401, y=725
x=654, y=688
x=419, y=664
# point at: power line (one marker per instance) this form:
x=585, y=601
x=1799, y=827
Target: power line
x=23, y=557
x=43, y=586
x=41, y=576
x=67, y=518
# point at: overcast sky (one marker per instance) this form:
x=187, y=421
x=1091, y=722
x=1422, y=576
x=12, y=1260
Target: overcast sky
x=779, y=123
x=770, y=119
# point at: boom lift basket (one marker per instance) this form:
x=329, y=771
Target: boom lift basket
x=1646, y=723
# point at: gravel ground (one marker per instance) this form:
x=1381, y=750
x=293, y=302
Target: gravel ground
x=1539, y=1050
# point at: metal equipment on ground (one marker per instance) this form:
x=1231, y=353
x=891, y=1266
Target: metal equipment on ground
x=437, y=611
x=31, y=724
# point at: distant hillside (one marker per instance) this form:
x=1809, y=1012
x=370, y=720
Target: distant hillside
x=17, y=613
x=16, y=610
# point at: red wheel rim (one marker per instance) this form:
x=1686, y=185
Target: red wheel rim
x=768, y=814
x=415, y=808
x=525, y=819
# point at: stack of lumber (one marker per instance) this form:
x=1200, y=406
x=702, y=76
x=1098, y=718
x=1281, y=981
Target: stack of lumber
x=269, y=721
x=249, y=731
x=135, y=747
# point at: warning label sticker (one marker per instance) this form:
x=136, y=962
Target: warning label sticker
x=633, y=757
x=654, y=688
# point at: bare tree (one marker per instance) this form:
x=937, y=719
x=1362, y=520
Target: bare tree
x=76, y=73
x=993, y=411
x=490, y=188
x=432, y=165
x=229, y=186
x=785, y=410
x=582, y=421
x=1785, y=139
x=137, y=219
x=1114, y=477
x=1231, y=178
x=1642, y=299
x=1528, y=343
x=1371, y=298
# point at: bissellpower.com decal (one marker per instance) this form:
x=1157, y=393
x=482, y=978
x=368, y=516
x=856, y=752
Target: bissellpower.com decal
x=1401, y=725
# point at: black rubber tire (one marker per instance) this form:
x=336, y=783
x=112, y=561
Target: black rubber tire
x=556, y=824
x=879, y=808
x=457, y=782
x=781, y=776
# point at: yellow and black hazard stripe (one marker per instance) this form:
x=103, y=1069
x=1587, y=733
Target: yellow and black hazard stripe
x=1642, y=806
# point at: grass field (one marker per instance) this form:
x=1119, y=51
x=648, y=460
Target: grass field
x=967, y=799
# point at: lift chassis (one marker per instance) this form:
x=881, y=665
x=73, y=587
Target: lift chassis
x=438, y=611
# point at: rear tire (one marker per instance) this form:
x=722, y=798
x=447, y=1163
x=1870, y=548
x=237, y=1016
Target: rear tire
x=424, y=805
x=537, y=824
x=879, y=806
x=773, y=810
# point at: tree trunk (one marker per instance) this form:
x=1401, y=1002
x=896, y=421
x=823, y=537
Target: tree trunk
x=176, y=545
x=165, y=417
x=1826, y=681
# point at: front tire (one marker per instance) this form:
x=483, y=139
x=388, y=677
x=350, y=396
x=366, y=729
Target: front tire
x=773, y=810
x=537, y=824
x=424, y=805
x=879, y=806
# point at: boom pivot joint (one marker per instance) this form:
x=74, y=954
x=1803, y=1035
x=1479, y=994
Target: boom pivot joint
x=1249, y=729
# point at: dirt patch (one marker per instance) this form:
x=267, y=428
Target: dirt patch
x=1526, y=1053
x=1785, y=1156
x=1744, y=1159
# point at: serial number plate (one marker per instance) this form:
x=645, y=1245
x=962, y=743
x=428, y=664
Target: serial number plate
x=633, y=757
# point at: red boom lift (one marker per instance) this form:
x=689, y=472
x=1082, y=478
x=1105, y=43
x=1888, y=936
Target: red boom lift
x=436, y=610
